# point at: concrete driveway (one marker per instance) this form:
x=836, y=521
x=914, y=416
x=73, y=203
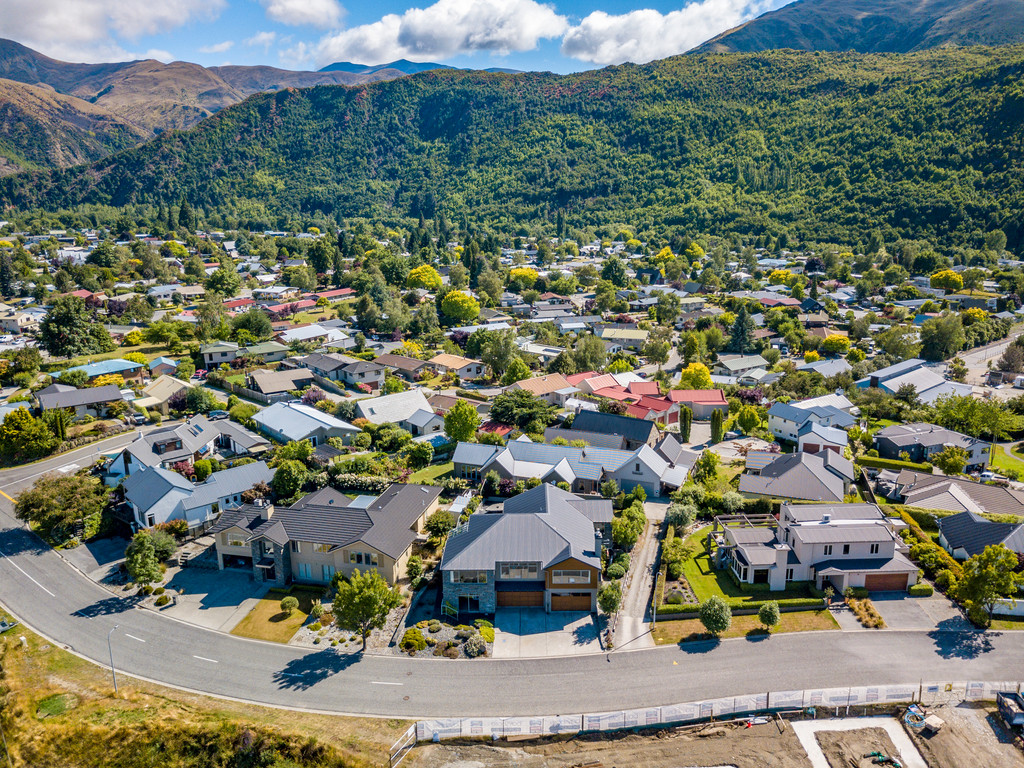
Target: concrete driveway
x=213, y=599
x=530, y=632
x=901, y=611
x=98, y=559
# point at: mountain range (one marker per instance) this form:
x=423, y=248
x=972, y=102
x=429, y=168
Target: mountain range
x=823, y=147
x=876, y=26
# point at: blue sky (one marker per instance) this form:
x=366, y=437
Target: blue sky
x=562, y=36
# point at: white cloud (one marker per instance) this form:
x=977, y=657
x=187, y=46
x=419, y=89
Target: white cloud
x=88, y=30
x=155, y=53
x=323, y=14
x=445, y=29
x=644, y=35
x=218, y=47
x=262, y=40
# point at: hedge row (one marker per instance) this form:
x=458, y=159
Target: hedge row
x=471, y=395
x=934, y=550
x=877, y=463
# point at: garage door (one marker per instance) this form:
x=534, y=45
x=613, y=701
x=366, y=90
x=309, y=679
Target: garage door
x=577, y=601
x=520, y=599
x=886, y=582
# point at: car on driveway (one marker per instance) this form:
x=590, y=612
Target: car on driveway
x=217, y=415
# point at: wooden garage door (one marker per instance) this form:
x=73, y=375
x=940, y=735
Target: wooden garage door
x=886, y=582
x=520, y=599
x=577, y=601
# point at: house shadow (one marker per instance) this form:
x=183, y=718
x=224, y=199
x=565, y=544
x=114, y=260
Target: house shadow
x=306, y=671
x=699, y=643
x=954, y=642
x=109, y=606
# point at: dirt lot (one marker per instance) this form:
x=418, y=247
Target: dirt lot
x=712, y=744
x=847, y=749
x=973, y=737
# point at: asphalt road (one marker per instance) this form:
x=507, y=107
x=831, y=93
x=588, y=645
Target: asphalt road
x=48, y=595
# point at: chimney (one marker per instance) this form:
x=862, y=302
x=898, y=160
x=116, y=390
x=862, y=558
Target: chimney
x=826, y=518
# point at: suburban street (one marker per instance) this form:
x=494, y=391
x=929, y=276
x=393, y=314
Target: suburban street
x=44, y=592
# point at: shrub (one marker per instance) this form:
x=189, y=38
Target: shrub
x=414, y=567
x=465, y=634
x=413, y=640
x=978, y=616
x=163, y=544
x=871, y=461
x=289, y=604
x=480, y=623
x=451, y=652
x=159, y=591
x=680, y=515
x=768, y=614
x=316, y=626
x=162, y=601
x=866, y=613
x=476, y=646
x=922, y=589
x=317, y=610
x=623, y=559
x=715, y=615
x=147, y=590
x=945, y=580
x=616, y=571
x=434, y=626
x=487, y=633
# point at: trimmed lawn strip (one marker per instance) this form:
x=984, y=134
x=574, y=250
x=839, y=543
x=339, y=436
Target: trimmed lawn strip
x=435, y=472
x=1002, y=460
x=706, y=582
x=266, y=621
x=1008, y=623
x=689, y=630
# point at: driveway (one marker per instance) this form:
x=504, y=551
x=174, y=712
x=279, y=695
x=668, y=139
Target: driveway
x=213, y=599
x=530, y=632
x=729, y=450
x=901, y=611
x=98, y=559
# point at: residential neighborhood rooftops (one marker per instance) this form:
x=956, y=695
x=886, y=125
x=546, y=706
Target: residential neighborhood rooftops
x=102, y=368
x=64, y=396
x=971, y=533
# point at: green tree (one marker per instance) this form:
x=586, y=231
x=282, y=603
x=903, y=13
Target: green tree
x=942, y=337
x=140, y=560
x=717, y=432
x=614, y=271
x=289, y=604
x=439, y=524
x=685, y=423
x=987, y=577
x=364, y=602
x=656, y=351
x=589, y=353
x=741, y=337
x=56, y=504
x=748, y=419
x=947, y=280
x=255, y=321
x=715, y=615
x=499, y=350
x=66, y=331
x=951, y=460
x=289, y=478
x=461, y=422
x=705, y=469
x=24, y=438
x=695, y=376
x=294, y=450
x=768, y=614
x=519, y=408
x=516, y=371
x=424, y=276
x=460, y=307
x=224, y=281
x=609, y=598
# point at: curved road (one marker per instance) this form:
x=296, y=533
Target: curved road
x=50, y=596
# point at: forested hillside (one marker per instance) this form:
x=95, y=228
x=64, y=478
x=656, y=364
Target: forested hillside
x=820, y=146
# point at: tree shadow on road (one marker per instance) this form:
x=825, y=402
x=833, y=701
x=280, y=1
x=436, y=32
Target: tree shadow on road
x=306, y=671
x=17, y=541
x=954, y=642
x=109, y=606
x=699, y=643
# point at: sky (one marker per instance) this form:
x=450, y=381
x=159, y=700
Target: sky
x=562, y=36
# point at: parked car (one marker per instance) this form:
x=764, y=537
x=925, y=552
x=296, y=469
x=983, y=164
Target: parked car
x=217, y=415
x=200, y=374
x=988, y=475
x=139, y=418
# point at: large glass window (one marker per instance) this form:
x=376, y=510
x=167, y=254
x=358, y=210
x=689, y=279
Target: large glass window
x=321, y=547
x=469, y=577
x=519, y=571
x=570, y=577
x=236, y=540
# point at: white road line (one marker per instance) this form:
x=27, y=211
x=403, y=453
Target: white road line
x=67, y=468
x=203, y=658
x=82, y=614
x=133, y=637
x=27, y=576
x=378, y=682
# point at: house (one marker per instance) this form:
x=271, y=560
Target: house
x=463, y=367
x=583, y=469
x=785, y=420
x=218, y=352
x=268, y=351
x=737, y=365
x=197, y=438
x=627, y=338
x=324, y=533
x=814, y=438
x=162, y=366
x=967, y=533
x=701, y=402
x=956, y=494
x=286, y=422
x=929, y=384
x=409, y=368
x=157, y=394
x=342, y=368
x=842, y=545
x=542, y=550
x=126, y=369
x=608, y=430
x=825, y=476
x=409, y=410
x=157, y=495
x=920, y=441
x=89, y=401
x=545, y=387
x=16, y=321
x=305, y=334
x=280, y=382
x=827, y=368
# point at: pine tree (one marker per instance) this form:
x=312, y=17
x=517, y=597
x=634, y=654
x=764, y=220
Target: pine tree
x=186, y=216
x=741, y=338
x=717, y=433
x=685, y=423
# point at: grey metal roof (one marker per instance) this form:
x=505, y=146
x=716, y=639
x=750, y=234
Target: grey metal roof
x=843, y=533
x=926, y=490
x=895, y=564
x=639, y=430
x=803, y=513
x=795, y=476
x=475, y=454
x=972, y=533
x=921, y=433
x=297, y=421
x=63, y=396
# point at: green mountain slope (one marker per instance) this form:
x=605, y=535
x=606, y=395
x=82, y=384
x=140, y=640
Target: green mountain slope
x=875, y=26
x=822, y=146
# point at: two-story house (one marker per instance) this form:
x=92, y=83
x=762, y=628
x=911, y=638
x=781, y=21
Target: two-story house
x=464, y=367
x=920, y=441
x=785, y=420
x=845, y=545
x=542, y=550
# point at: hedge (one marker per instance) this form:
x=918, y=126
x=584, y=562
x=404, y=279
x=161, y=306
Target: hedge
x=471, y=395
x=922, y=589
x=944, y=558
x=877, y=463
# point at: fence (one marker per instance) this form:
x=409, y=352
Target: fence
x=929, y=694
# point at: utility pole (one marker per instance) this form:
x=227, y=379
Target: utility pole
x=111, y=651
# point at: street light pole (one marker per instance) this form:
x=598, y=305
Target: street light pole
x=111, y=651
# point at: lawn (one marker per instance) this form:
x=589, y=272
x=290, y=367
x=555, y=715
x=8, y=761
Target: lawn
x=1007, y=623
x=267, y=622
x=434, y=472
x=1003, y=460
x=688, y=630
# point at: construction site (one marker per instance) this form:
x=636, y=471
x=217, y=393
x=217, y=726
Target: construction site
x=959, y=735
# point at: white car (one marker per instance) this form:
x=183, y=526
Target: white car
x=986, y=475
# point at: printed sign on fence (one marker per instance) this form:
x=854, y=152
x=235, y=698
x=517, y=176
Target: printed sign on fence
x=680, y=713
x=786, y=699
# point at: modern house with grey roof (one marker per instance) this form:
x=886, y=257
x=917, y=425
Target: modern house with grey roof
x=629, y=433
x=825, y=476
x=157, y=495
x=542, y=550
x=785, y=420
x=845, y=545
x=409, y=410
x=920, y=441
x=285, y=422
x=967, y=534
x=326, y=532
x=956, y=494
x=89, y=401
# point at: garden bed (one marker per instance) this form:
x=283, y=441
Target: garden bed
x=440, y=639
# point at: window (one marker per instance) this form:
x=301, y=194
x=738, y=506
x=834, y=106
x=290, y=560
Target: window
x=321, y=547
x=874, y=549
x=789, y=574
x=744, y=576
x=327, y=571
x=518, y=571
x=636, y=468
x=355, y=558
x=846, y=549
x=570, y=577
x=296, y=546
x=235, y=540
x=305, y=571
x=361, y=558
x=469, y=577
x=828, y=549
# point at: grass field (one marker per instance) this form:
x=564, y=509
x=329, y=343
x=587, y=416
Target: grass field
x=434, y=472
x=1003, y=460
x=688, y=630
x=1007, y=623
x=268, y=622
